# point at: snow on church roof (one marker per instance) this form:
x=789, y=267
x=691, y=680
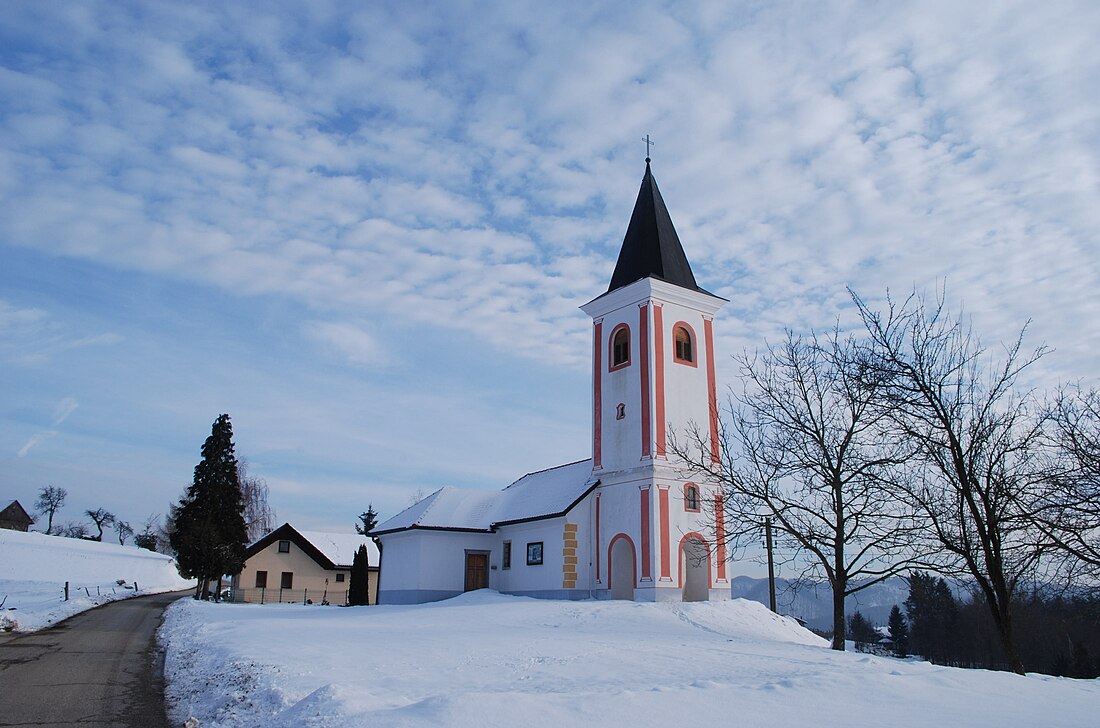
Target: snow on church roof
x=542, y=494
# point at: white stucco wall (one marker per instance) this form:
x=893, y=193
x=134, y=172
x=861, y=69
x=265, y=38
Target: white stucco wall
x=423, y=565
x=557, y=536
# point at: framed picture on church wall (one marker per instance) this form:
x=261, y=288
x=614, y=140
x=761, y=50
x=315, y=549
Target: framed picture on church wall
x=534, y=553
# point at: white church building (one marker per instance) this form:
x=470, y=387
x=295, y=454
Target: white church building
x=623, y=524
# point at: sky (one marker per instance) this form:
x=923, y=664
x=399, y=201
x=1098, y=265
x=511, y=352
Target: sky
x=363, y=230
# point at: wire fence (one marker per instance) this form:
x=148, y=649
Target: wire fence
x=269, y=595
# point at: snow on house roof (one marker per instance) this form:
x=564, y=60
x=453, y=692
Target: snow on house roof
x=340, y=548
x=542, y=494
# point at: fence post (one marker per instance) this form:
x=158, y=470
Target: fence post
x=135, y=587
x=66, y=591
x=280, y=595
x=263, y=589
x=305, y=597
x=98, y=593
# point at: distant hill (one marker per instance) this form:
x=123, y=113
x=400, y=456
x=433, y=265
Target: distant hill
x=813, y=603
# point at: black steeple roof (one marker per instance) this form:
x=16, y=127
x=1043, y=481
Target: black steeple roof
x=651, y=248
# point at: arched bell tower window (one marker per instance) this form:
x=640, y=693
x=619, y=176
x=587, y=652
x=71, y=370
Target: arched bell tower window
x=619, y=356
x=691, y=497
x=684, y=340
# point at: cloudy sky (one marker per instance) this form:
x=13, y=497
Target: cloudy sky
x=363, y=229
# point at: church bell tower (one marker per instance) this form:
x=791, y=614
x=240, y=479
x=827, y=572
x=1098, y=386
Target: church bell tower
x=653, y=373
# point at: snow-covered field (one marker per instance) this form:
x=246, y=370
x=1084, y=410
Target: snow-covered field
x=34, y=568
x=483, y=659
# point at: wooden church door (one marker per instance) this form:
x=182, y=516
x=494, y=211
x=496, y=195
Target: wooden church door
x=477, y=570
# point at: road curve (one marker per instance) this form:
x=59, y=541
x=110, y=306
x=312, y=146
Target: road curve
x=98, y=668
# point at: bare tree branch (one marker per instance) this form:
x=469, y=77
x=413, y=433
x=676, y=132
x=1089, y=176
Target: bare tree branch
x=802, y=445
x=979, y=440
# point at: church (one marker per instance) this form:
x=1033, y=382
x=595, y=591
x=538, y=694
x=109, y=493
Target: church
x=623, y=524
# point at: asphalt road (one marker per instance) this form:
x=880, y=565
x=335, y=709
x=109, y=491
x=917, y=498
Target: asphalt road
x=99, y=668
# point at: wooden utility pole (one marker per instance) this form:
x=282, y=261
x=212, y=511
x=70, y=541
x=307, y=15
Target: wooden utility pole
x=771, y=563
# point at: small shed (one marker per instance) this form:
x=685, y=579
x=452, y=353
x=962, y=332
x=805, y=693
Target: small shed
x=15, y=518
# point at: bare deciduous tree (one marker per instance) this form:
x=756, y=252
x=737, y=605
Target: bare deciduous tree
x=803, y=448
x=977, y=438
x=147, y=539
x=124, y=531
x=259, y=516
x=100, y=517
x=164, y=529
x=73, y=529
x=1069, y=513
x=50, y=500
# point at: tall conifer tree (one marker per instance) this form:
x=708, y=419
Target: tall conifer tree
x=359, y=588
x=899, y=632
x=210, y=535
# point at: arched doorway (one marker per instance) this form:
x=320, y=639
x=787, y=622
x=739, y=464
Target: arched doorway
x=694, y=568
x=621, y=567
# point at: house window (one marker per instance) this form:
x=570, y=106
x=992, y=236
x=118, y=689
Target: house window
x=534, y=553
x=685, y=343
x=620, y=348
x=288, y=580
x=691, y=497
x=261, y=579
x=506, y=556
x=284, y=547
x=339, y=578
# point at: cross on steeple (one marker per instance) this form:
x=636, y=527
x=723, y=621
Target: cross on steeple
x=648, y=144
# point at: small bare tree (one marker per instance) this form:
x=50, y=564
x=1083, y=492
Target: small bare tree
x=50, y=500
x=164, y=529
x=124, y=531
x=803, y=447
x=73, y=529
x=259, y=516
x=100, y=517
x=977, y=440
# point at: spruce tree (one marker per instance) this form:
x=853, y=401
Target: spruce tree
x=359, y=588
x=210, y=535
x=860, y=630
x=367, y=520
x=933, y=617
x=899, y=632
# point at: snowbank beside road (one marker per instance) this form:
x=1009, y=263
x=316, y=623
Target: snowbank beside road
x=486, y=660
x=34, y=568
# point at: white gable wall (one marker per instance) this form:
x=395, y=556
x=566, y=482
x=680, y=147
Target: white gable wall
x=421, y=565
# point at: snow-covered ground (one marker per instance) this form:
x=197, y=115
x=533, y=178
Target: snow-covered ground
x=34, y=568
x=483, y=659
